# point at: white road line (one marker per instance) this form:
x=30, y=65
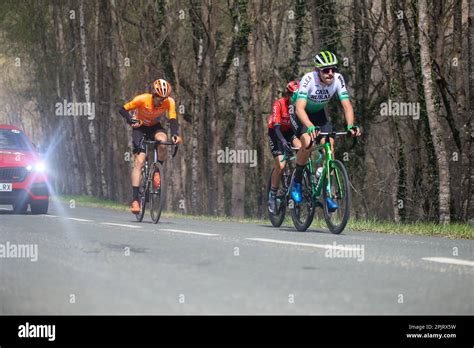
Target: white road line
x=320, y=246
x=121, y=225
x=190, y=232
x=48, y=215
x=4, y=209
x=449, y=260
x=82, y=220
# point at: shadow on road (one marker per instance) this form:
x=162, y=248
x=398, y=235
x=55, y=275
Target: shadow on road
x=5, y=211
x=294, y=230
x=152, y=223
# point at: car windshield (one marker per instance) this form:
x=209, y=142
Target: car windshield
x=12, y=139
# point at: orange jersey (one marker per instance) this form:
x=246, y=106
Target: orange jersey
x=147, y=112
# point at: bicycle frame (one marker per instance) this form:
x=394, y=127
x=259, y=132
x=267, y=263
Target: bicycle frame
x=291, y=158
x=327, y=166
x=155, y=144
x=146, y=168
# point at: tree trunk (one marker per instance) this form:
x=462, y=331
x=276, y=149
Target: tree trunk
x=255, y=69
x=197, y=115
x=434, y=123
x=470, y=189
x=315, y=21
x=273, y=36
x=212, y=116
x=242, y=101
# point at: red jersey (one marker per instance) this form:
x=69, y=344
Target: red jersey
x=280, y=115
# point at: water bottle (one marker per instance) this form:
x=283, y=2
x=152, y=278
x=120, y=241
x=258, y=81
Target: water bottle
x=319, y=171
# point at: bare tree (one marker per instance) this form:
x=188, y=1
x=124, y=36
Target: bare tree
x=435, y=125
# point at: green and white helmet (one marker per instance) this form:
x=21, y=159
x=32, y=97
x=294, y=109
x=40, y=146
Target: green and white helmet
x=324, y=59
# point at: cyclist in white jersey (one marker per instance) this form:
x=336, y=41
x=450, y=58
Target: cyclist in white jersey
x=309, y=119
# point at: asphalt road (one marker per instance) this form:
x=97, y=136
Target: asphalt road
x=100, y=261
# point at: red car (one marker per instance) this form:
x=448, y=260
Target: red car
x=23, y=177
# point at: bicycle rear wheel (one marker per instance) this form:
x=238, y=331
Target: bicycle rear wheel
x=302, y=213
x=142, y=193
x=157, y=193
x=277, y=218
x=339, y=190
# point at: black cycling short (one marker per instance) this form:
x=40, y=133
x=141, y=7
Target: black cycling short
x=137, y=136
x=275, y=144
x=319, y=119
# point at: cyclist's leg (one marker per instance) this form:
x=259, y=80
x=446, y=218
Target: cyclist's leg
x=160, y=134
x=277, y=153
x=138, y=162
x=303, y=154
x=301, y=157
x=326, y=127
x=138, y=157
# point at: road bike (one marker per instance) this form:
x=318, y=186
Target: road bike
x=147, y=192
x=333, y=182
x=283, y=193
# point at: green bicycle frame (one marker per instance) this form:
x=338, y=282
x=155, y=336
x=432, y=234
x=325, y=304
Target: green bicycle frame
x=327, y=166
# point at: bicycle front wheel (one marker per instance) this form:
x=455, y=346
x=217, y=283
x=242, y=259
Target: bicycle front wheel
x=302, y=213
x=338, y=188
x=157, y=192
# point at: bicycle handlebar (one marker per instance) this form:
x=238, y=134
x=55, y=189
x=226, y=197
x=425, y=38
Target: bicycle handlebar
x=159, y=142
x=333, y=135
x=337, y=134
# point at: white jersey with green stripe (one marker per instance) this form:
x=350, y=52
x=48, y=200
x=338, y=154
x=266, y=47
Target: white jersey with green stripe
x=318, y=94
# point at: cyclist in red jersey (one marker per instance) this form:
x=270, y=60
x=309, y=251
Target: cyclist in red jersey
x=281, y=138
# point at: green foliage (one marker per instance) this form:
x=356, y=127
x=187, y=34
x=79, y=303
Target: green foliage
x=244, y=27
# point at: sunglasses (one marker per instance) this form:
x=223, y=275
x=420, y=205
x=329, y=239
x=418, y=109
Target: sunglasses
x=327, y=70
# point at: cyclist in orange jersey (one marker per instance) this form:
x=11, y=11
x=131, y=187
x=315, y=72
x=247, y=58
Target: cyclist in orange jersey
x=150, y=109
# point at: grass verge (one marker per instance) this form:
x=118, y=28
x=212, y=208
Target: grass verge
x=454, y=230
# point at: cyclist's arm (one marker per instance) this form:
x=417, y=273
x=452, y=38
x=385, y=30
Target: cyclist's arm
x=301, y=112
x=344, y=98
x=276, y=117
x=306, y=84
x=126, y=115
x=174, y=127
x=172, y=118
x=131, y=105
x=348, y=111
x=279, y=134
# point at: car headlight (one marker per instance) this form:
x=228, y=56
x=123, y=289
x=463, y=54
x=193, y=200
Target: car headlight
x=39, y=167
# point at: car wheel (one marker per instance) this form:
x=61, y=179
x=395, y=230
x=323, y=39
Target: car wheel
x=20, y=208
x=40, y=208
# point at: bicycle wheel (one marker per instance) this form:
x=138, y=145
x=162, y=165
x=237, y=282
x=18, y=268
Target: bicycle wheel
x=302, y=213
x=142, y=198
x=340, y=192
x=277, y=217
x=157, y=194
